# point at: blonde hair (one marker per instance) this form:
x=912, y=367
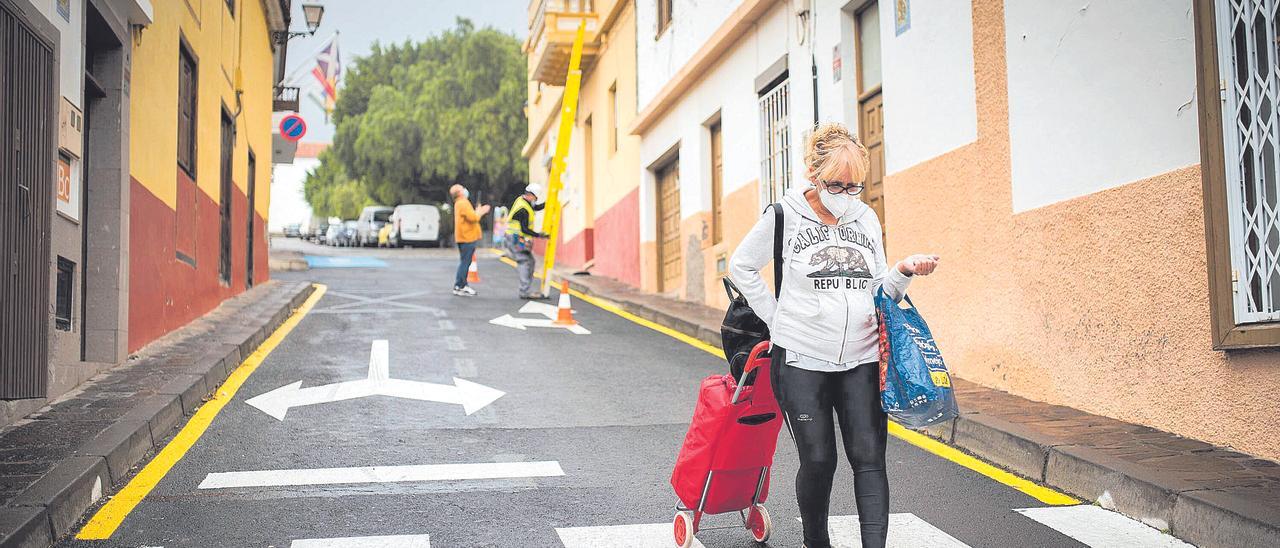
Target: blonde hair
x=831, y=151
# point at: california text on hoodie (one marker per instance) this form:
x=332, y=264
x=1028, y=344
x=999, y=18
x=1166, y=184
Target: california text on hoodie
x=831, y=274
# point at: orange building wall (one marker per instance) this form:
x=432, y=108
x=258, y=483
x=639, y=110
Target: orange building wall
x=1098, y=303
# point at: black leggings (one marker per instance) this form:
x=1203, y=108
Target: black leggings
x=808, y=399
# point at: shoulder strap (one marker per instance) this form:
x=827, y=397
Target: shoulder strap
x=778, y=228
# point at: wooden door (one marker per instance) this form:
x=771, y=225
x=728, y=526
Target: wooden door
x=669, y=227
x=871, y=105
x=717, y=185
x=871, y=131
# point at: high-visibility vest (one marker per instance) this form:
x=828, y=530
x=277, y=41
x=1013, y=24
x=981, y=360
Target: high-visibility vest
x=513, y=226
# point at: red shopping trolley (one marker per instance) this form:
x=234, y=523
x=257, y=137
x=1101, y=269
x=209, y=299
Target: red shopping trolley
x=724, y=463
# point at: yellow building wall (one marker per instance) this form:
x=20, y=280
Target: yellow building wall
x=1098, y=303
x=221, y=43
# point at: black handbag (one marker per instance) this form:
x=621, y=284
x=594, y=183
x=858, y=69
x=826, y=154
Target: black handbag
x=742, y=329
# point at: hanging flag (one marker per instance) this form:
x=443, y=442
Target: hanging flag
x=328, y=71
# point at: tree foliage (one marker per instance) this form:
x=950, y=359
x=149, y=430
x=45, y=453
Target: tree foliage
x=413, y=119
x=332, y=193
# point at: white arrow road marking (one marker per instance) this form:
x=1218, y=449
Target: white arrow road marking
x=648, y=535
x=382, y=474
x=905, y=531
x=387, y=541
x=471, y=396
x=1101, y=528
x=534, y=307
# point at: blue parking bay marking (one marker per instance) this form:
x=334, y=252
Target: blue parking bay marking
x=320, y=261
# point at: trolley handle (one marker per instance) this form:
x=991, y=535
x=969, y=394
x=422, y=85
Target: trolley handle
x=752, y=364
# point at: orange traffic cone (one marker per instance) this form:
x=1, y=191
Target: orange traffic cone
x=564, y=316
x=473, y=273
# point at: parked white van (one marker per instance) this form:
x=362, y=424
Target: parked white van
x=415, y=224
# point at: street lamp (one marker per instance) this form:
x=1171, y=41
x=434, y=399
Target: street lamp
x=312, y=13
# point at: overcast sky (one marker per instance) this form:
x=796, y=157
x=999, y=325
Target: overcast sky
x=360, y=23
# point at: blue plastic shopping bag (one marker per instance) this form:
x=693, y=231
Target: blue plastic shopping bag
x=915, y=387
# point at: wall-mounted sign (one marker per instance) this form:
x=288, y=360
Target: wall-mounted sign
x=293, y=127
x=901, y=16
x=64, y=9
x=68, y=187
x=836, y=63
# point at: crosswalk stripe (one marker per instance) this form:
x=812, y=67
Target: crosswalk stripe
x=386, y=541
x=382, y=474
x=1101, y=528
x=905, y=531
x=648, y=535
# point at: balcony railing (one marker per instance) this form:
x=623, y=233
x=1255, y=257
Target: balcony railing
x=551, y=32
x=286, y=99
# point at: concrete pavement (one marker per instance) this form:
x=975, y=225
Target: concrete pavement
x=576, y=451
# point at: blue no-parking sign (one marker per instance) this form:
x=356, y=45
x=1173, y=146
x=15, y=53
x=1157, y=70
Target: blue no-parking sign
x=293, y=127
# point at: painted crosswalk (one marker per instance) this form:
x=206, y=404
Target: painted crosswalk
x=905, y=531
x=1101, y=528
x=382, y=474
x=383, y=541
x=1090, y=525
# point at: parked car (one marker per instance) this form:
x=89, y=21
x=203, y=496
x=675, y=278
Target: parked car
x=293, y=230
x=370, y=222
x=351, y=233
x=384, y=235
x=415, y=224
x=321, y=234
x=333, y=234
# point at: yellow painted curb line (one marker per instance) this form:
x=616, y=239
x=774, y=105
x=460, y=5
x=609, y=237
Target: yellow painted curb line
x=1039, y=492
x=108, y=518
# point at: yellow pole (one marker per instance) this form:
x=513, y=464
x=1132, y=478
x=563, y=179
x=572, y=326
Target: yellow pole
x=551, y=216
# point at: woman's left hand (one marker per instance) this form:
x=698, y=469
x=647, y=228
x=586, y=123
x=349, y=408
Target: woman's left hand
x=918, y=265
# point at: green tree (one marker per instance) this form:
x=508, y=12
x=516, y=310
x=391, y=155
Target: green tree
x=413, y=119
x=332, y=193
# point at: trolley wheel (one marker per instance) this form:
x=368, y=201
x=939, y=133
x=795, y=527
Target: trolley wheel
x=758, y=523
x=683, y=529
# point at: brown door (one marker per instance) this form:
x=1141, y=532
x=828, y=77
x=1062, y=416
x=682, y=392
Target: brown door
x=224, y=197
x=717, y=185
x=669, y=227
x=27, y=145
x=870, y=105
x=248, y=246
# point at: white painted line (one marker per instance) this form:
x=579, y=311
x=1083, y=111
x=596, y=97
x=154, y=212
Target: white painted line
x=905, y=531
x=649, y=535
x=471, y=396
x=382, y=474
x=1098, y=527
x=387, y=541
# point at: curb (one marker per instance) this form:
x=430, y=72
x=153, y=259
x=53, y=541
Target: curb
x=1204, y=517
x=51, y=507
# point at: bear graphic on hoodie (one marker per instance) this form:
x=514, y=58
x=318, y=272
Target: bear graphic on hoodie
x=839, y=261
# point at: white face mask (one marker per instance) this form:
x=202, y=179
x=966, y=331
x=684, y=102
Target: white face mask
x=837, y=204
x=466, y=193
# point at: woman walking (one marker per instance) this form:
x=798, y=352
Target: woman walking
x=824, y=329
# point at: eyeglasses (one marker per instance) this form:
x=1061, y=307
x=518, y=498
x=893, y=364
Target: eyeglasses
x=836, y=187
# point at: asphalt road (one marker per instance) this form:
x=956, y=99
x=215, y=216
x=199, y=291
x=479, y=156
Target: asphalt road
x=608, y=410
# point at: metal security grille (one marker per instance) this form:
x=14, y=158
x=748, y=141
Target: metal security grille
x=1247, y=34
x=775, y=146
x=26, y=197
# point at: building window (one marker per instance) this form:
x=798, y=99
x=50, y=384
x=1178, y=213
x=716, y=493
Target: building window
x=188, y=79
x=613, y=118
x=1237, y=54
x=65, y=294
x=1251, y=144
x=775, y=146
x=664, y=16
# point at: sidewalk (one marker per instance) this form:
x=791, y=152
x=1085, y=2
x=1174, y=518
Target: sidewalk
x=1210, y=496
x=59, y=461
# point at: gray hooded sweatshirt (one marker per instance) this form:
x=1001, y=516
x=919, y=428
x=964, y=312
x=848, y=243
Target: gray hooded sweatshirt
x=830, y=277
